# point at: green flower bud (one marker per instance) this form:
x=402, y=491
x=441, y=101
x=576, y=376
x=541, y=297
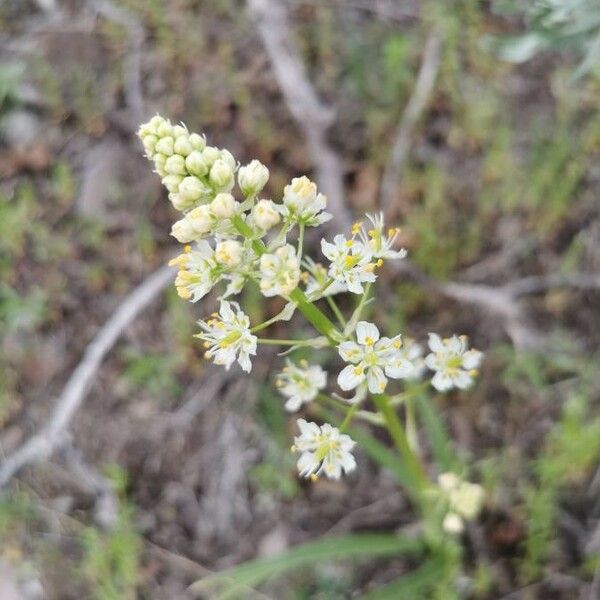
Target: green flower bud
x=221, y=175
x=179, y=130
x=182, y=145
x=179, y=202
x=159, y=164
x=165, y=146
x=155, y=122
x=193, y=190
x=175, y=165
x=198, y=142
x=200, y=219
x=164, y=129
x=171, y=182
x=183, y=231
x=211, y=154
x=253, y=177
x=196, y=164
x=149, y=142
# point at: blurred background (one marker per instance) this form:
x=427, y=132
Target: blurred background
x=474, y=125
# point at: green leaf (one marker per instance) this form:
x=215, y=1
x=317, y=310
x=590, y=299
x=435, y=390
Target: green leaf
x=255, y=572
x=413, y=585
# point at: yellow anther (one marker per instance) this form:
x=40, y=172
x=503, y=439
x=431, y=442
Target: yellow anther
x=372, y=232
x=397, y=344
x=369, y=341
x=187, y=249
x=370, y=267
x=392, y=231
x=358, y=370
x=184, y=293
x=349, y=243
x=314, y=477
x=206, y=344
x=379, y=262
x=473, y=372
x=356, y=227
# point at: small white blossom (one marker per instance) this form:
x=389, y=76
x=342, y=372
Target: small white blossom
x=380, y=243
x=465, y=500
x=279, y=272
x=370, y=358
x=302, y=203
x=317, y=284
x=227, y=337
x=198, y=272
x=252, y=178
x=350, y=262
x=300, y=384
x=455, y=366
x=265, y=214
x=408, y=361
x=323, y=449
x=229, y=253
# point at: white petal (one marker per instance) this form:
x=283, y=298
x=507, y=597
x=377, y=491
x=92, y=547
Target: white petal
x=462, y=380
x=472, y=359
x=366, y=330
x=435, y=343
x=349, y=377
x=377, y=380
x=307, y=464
x=351, y=352
x=226, y=311
x=293, y=404
x=441, y=382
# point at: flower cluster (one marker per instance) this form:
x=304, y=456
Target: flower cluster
x=232, y=237
x=464, y=501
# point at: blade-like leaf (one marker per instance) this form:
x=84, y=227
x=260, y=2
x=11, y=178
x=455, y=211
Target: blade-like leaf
x=413, y=585
x=255, y=572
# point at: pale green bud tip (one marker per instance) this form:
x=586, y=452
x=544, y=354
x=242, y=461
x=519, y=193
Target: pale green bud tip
x=182, y=145
x=171, y=182
x=198, y=142
x=175, y=165
x=193, y=190
x=183, y=231
x=253, y=177
x=196, y=164
x=165, y=146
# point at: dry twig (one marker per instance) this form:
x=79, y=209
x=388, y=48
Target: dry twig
x=312, y=116
x=414, y=109
x=42, y=445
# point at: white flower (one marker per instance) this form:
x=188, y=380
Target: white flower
x=316, y=281
x=229, y=253
x=198, y=272
x=378, y=242
x=302, y=204
x=465, y=500
x=300, y=384
x=370, y=358
x=350, y=262
x=408, y=361
x=279, y=272
x=224, y=206
x=265, y=215
x=323, y=449
x=252, y=178
x=227, y=337
x=455, y=366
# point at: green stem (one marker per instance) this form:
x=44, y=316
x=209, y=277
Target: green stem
x=411, y=462
x=276, y=342
x=300, y=240
x=411, y=424
x=316, y=317
x=338, y=313
x=348, y=418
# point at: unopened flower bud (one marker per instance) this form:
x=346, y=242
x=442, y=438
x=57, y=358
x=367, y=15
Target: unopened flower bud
x=193, y=190
x=149, y=140
x=253, y=177
x=229, y=159
x=160, y=160
x=453, y=524
x=229, y=253
x=164, y=128
x=179, y=130
x=196, y=164
x=165, y=146
x=265, y=214
x=183, y=231
x=200, y=219
x=182, y=145
x=198, y=142
x=211, y=154
x=155, y=122
x=224, y=206
x=175, y=165
x=221, y=175
x=179, y=202
x=171, y=182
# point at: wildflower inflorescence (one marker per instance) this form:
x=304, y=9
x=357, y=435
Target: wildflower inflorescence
x=237, y=238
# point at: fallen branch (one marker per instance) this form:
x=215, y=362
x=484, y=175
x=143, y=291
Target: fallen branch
x=312, y=116
x=414, y=109
x=54, y=434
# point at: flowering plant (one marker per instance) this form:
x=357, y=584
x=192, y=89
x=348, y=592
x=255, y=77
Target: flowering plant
x=233, y=242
